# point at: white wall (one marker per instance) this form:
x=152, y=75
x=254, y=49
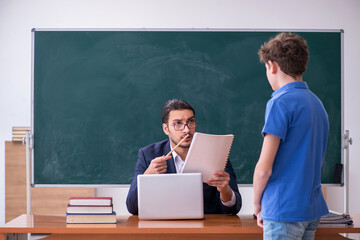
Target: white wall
x=18, y=17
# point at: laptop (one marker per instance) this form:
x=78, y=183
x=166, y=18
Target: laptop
x=170, y=196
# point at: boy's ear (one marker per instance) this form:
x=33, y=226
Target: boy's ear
x=273, y=67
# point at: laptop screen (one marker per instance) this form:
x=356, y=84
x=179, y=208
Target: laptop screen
x=170, y=196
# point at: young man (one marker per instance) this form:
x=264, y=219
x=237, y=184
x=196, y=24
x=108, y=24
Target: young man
x=288, y=200
x=221, y=194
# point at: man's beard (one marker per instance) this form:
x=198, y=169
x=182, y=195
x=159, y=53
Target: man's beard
x=181, y=145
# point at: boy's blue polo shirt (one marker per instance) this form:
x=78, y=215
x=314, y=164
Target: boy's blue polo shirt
x=298, y=118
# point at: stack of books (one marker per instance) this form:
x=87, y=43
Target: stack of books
x=19, y=133
x=88, y=210
x=336, y=218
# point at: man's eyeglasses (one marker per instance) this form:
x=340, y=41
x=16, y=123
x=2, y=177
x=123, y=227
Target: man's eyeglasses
x=179, y=126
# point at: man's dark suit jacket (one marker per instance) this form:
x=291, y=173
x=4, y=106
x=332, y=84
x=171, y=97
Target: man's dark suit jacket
x=212, y=202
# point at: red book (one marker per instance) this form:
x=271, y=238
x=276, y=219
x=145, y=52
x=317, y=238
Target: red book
x=87, y=209
x=90, y=201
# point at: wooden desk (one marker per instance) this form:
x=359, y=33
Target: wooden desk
x=131, y=228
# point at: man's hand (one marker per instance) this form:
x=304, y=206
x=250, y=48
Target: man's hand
x=221, y=180
x=157, y=165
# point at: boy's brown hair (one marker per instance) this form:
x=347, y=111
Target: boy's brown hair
x=289, y=50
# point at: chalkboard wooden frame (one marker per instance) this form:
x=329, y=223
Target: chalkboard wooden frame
x=185, y=60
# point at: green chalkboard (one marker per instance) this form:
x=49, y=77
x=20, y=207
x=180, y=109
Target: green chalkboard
x=98, y=95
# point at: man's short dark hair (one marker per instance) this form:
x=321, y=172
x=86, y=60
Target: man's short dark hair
x=289, y=51
x=174, y=104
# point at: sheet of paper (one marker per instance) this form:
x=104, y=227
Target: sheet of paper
x=208, y=153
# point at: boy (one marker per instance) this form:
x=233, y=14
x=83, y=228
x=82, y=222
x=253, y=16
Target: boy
x=288, y=200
